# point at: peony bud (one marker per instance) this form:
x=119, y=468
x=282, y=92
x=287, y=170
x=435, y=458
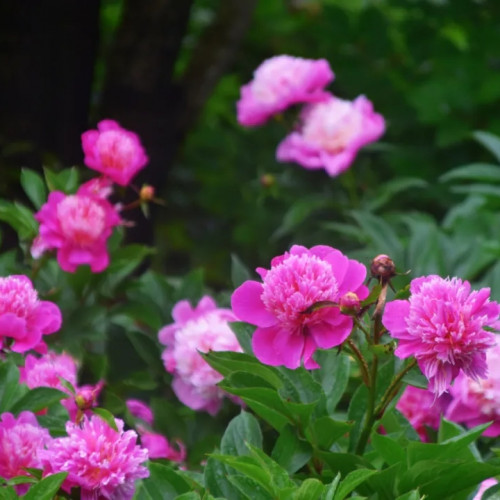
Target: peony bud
x=147, y=193
x=383, y=268
x=349, y=304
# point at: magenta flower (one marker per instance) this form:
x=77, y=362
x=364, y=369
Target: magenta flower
x=23, y=317
x=100, y=187
x=442, y=325
x=486, y=484
x=289, y=327
x=141, y=410
x=280, y=82
x=21, y=441
x=331, y=133
x=159, y=447
x=202, y=329
x=78, y=226
x=103, y=462
x=114, y=151
x=476, y=402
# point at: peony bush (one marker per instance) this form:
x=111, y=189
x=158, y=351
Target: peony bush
x=324, y=375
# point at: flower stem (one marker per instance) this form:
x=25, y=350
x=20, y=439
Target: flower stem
x=362, y=362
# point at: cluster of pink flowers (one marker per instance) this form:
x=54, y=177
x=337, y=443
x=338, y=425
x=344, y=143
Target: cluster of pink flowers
x=289, y=326
x=330, y=130
x=201, y=329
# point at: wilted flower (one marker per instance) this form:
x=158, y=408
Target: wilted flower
x=23, y=317
x=202, y=329
x=442, y=325
x=78, y=226
x=280, y=82
x=288, y=307
x=141, y=410
x=159, y=447
x=114, y=151
x=103, y=462
x=331, y=133
x=21, y=441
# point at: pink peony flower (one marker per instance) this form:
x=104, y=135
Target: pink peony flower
x=141, y=410
x=23, y=317
x=101, y=187
x=422, y=409
x=280, y=82
x=476, y=402
x=114, y=151
x=78, y=226
x=288, y=330
x=21, y=441
x=487, y=483
x=442, y=325
x=331, y=133
x=204, y=328
x=48, y=370
x=103, y=462
x=159, y=447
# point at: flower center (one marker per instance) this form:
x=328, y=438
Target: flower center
x=82, y=220
x=116, y=150
x=296, y=284
x=17, y=296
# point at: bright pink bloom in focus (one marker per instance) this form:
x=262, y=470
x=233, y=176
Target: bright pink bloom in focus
x=21, y=441
x=78, y=226
x=280, y=82
x=204, y=328
x=476, y=402
x=442, y=325
x=103, y=462
x=287, y=330
x=487, y=483
x=23, y=317
x=141, y=410
x=331, y=133
x=114, y=151
x=159, y=447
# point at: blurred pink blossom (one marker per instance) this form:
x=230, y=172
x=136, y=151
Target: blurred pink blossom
x=442, y=325
x=103, y=462
x=78, y=226
x=23, y=317
x=330, y=134
x=141, y=410
x=280, y=82
x=159, y=447
x=203, y=328
x=21, y=441
x=487, y=483
x=289, y=327
x=101, y=187
x=114, y=151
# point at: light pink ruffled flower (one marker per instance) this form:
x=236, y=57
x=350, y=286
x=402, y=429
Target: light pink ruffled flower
x=101, y=187
x=331, y=133
x=487, y=483
x=23, y=317
x=422, y=409
x=476, y=402
x=114, y=151
x=21, y=441
x=442, y=325
x=48, y=370
x=141, y=410
x=289, y=327
x=103, y=462
x=78, y=226
x=280, y=82
x=204, y=328
x=159, y=447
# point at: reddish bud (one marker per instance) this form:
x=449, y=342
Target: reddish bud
x=147, y=193
x=349, y=304
x=383, y=268
x=267, y=180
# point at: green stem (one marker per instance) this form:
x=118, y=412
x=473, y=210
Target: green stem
x=363, y=329
x=362, y=362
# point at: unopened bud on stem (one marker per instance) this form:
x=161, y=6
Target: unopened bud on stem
x=350, y=304
x=383, y=268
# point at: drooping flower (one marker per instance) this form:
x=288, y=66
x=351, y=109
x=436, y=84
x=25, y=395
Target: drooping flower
x=23, y=317
x=330, y=134
x=159, y=447
x=140, y=410
x=280, y=82
x=78, y=227
x=114, y=151
x=290, y=326
x=422, y=409
x=201, y=329
x=21, y=442
x=476, y=402
x=443, y=326
x=486, y=484
x=103, y=462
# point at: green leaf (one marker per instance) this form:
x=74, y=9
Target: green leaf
x=241, y=431
x=37, y=399
x=34, y=187
x=388, y=190
x=9, y=385
x=216, y=478
x=8, y=493
x=164, y=482
x=190, y=495
x=343, y=462
x=47, y=488
x=20, y=219
x=239, y=272
x=107, y=416
x=389, y=449
x=324, y=431
x=291, y=452
x=66, y=180
x=244, y=333
x=331, y=488
x=490, y=141
x=481, y=172
x=411, y=495
x=279, y=475
x=352, y=481
x=249, y=488
x=309, y=489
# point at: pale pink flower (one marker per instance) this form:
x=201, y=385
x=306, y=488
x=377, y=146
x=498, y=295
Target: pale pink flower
x=101, y=187
x=48, y=370
x=476, y=402
x=202, y=329
x=114, y=151
x=291, y=324
x=21, y=441
x=330, y=134
x=103, y=462
x=442, y=326
x=487, y=483
x=141, y=410
x=280, y=82
x=159, y=447
x=23, y=317
x=78, y=226
x=422, y=409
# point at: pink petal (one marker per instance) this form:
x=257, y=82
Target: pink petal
x=247, y=305
x=275, y=346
